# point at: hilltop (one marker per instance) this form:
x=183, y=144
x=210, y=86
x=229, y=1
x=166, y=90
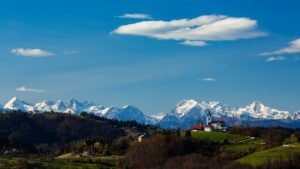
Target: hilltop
x=56, y=131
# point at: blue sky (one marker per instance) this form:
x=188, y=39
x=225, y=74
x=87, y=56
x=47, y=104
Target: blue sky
x=92, y=50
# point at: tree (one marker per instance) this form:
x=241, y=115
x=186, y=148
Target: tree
x=188, y=134
x=294, y=138
x=178, y=132
x=275, y=136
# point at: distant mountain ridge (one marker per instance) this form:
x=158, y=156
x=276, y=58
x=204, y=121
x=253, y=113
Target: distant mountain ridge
x=73, y=106
x=185, y=114
x=189, y=112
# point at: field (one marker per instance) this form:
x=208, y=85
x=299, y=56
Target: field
x=255, y=146
x=218, y=136
x=260, y=157
x=79, y=163
x=245, y=145
x=105, y=160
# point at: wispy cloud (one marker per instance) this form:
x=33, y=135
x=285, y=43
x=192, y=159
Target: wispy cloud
x=209, y=79
x=135, y=16
x=193, y=31
x=194, y=43
x=294, y=47
x=31, y=52
x=275, y=58
x=25, y=89
x=72, y=52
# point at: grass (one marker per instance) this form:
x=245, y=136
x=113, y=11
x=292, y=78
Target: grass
x=72, y=163
x=67, y=156
x=217, y=136
x=107, y=160
x=270, y=154
x=256, y=144
x=239, y=147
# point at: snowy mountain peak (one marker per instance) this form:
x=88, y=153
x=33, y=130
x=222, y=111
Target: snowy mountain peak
x=193, y=107
x=295, y=115
x=130, y=107
x=71, y=101
x=13, y=100
x=158, y=116
x=16, y=104
x=261, y=111
x=187, y=102
x=68, y=106
x=256, y=105
x=184, y=106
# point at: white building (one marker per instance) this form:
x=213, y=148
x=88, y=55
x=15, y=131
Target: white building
x=213, y=125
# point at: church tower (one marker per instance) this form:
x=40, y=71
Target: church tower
x=208, y=118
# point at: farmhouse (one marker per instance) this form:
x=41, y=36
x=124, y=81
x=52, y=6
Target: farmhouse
x=198, y=127
x=218, y=125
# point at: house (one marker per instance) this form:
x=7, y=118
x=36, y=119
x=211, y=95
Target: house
x=208, y=128
x=97, y=145
x=198, y=127
x=13, y=151
x=140, y=138
x=87, y=151
x=218, y=125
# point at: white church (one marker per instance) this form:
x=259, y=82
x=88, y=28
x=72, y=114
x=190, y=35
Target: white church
x=214, y=125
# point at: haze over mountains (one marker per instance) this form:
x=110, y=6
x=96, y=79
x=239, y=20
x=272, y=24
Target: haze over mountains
x=185, y=114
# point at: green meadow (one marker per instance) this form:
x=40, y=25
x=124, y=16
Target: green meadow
x=281, y=152
x=256, y=148
x=79, y=163
x=218, y=136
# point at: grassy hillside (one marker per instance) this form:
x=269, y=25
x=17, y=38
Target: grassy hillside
x=32, y=133
x=271, y=154
x=49, y=164
x=105, y=160
x=218, y=136
x=246, y=145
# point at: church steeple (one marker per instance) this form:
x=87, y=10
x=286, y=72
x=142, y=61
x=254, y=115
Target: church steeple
x=208, y=118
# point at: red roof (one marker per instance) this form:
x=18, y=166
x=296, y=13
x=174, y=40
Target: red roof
x=208, y=125
x=196, y=128
x=218, y=122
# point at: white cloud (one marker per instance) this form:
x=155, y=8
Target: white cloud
x=294, y=47
x=136, y=16
x=31, y=52
x=202, y=28
x=25, y=89
x=209, y=79
x=275, y=58
x=194, y=43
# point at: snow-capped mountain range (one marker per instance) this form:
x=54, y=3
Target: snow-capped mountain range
x=185, y=114
x=189, y=112
x=73, y=106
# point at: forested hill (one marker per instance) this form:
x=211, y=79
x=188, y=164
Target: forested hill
x=27, y=131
